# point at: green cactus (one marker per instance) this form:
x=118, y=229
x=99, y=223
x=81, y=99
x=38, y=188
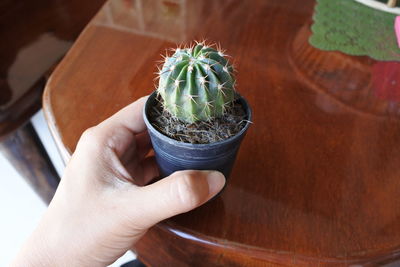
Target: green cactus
x=196, y=83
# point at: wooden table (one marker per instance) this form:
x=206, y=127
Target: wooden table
x=35, y=35
x=317, y=179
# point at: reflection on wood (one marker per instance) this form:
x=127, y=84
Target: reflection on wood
x=146, y=17
x=356, y=82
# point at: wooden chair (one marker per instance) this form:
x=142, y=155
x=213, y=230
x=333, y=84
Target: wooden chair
x=35, y=35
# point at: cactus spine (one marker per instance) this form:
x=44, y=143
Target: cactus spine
x=196, y=83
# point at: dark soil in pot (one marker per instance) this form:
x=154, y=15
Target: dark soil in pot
x=202, y=132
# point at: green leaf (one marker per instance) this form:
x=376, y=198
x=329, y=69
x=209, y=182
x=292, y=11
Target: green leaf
x=354, y=29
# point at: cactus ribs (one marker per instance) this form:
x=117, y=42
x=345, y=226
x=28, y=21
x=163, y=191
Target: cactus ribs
x=196, y=96
x=196, y=83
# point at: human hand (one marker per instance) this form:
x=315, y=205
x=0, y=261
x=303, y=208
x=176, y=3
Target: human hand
x=101, y=207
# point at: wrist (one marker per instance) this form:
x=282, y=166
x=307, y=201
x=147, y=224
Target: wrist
x=47, y=246
x=34, y=252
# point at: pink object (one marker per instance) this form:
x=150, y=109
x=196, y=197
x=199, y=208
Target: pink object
x=397, y=29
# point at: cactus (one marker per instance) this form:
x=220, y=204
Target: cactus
x=196, y=83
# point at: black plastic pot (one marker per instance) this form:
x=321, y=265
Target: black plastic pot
x=173, y=155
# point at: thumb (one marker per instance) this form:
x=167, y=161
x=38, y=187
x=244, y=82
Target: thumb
x=178, y=193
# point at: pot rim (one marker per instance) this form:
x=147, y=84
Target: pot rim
x=190, y=145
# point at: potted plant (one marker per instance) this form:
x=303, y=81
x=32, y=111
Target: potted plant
x=195, y=118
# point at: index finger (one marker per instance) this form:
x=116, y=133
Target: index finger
x=130, y=117
x=118, y=131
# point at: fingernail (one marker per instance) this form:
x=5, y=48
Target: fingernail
x=216, y=182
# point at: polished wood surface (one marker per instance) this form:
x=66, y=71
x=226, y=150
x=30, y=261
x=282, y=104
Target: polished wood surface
x=316, y=182
x=35, y=35
x=28, y=156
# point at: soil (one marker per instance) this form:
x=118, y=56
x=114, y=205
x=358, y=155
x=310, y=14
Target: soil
x=203, y=132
